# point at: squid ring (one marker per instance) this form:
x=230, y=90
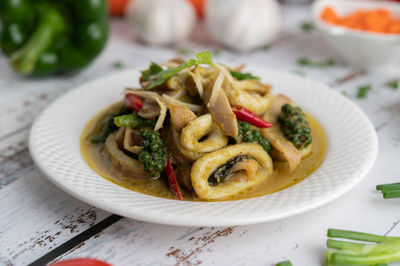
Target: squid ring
x=240, y=179
x=198, y=128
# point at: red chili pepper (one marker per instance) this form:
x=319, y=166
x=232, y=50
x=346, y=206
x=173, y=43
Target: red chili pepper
x=133, y=102
x=245, y=115
x=173, y=183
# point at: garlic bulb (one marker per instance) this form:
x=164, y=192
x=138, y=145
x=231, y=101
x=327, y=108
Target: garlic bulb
x=160, y=22
x=243, y=25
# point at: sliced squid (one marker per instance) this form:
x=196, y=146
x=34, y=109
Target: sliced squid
x=283, y=149
x=255, y=102
x=253, y=169
x=180, y=153
x=131, y=141
x=200, y=127
x=126, y=165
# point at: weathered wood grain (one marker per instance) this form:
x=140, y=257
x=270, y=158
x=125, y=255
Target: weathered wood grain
x=36, y=217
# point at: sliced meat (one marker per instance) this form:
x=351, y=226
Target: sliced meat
x=180, y=116
x=182, y=173
x=221, y=110
x=282, y=148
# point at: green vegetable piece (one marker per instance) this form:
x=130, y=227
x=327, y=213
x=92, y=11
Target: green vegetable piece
x=294, y=126
x=394, y=84
x=52, y=36
x=266, y=145
x=363, y=91
x=153, y=70
x=245, y=127
x=118, y=65
x=222, y=172
x=307, y=26
x=284, y=263
x=162, y=76
x=256, y=135
x=144, y=156
x=382, y=250
x=303, y=61
x=248, y=138
x=133, y=120
x=243, y=76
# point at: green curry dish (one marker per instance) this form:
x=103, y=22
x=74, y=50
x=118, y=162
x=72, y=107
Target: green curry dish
x=294, y=126
x=243, y=76
x=222, y=172
x=248, y=135
x=133, y=120
x=107, y=126
x=47, y=37
x=158, y=77
x=153, y=154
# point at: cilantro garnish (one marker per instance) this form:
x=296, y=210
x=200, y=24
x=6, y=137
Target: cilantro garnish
x=242, y=76
x=156, y=75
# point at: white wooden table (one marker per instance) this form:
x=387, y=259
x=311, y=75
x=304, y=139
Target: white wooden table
x=40, y=223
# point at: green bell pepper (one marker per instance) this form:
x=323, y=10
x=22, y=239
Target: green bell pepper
x=44, y=37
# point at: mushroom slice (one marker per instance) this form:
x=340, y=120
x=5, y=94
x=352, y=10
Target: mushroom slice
x=180, y=116
x=244, y=179
x=198, y=128
x=221, y=110
x=282, y=148
x=128, y=166
x=132, y=141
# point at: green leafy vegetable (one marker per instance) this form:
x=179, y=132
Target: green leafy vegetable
x=133, y=120
x=382, y=250
x=159, y=76
x=106, y=127
x=307, y=26
x=284, y=263
x=363, y=91
x=389, y=191
x=153, y=70
x=242, y=76
x=304, y=61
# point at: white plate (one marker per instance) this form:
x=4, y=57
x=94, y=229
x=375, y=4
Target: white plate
x=351, y=152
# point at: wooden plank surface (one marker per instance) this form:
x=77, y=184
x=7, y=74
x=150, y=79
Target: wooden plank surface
x=37, y=218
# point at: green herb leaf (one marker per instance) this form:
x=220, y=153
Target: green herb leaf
x=242, y=76
x=363, y=91
x=154, y=69
x=307, y=26
x=304, y=61
x=162, y=76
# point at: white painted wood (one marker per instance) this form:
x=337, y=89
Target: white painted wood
x=36, y=217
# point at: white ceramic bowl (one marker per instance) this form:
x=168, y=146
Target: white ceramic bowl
x=365, y=50
x=351, y=152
